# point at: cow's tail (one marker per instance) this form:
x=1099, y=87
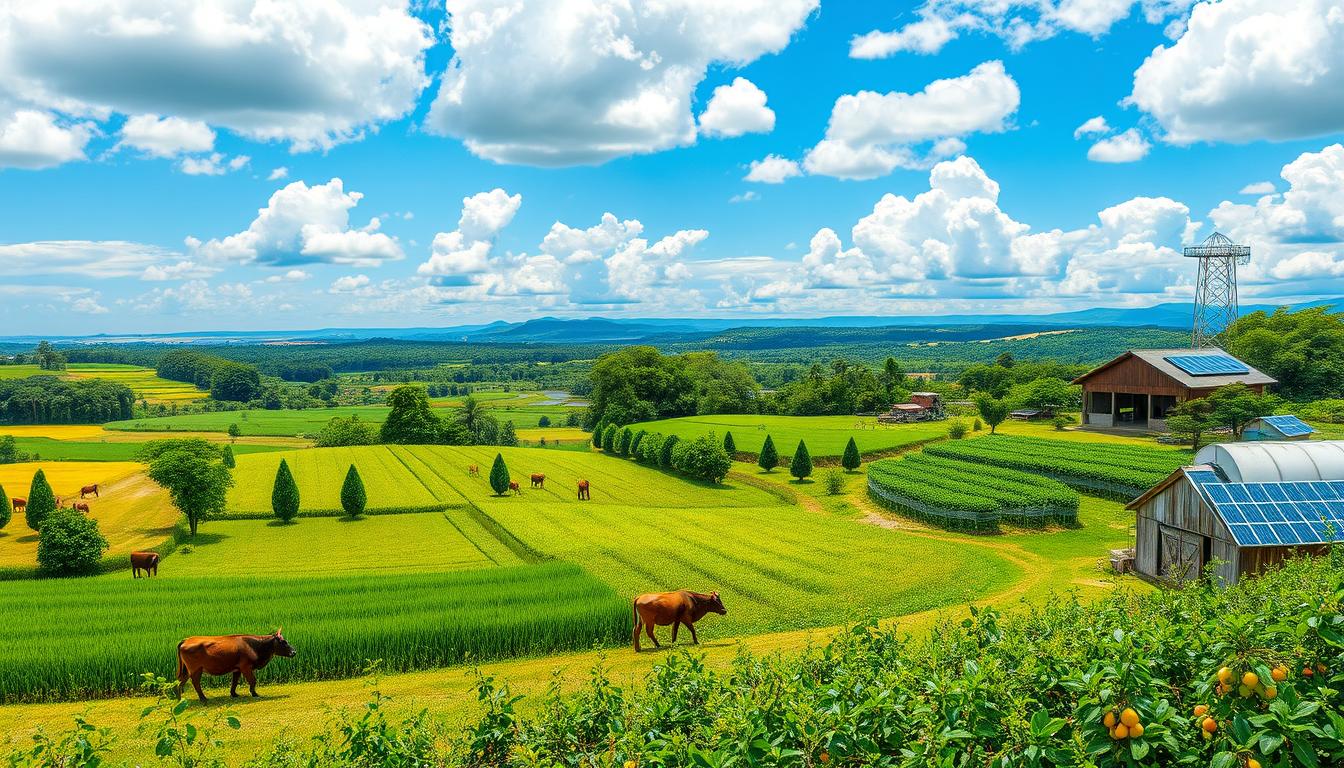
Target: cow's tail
x=181, y=663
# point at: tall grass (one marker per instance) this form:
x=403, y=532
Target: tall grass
x=61, y=643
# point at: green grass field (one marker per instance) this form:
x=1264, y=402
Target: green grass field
x=400, y=477
x=825, y=435
x=143, y=381
x=50, y=449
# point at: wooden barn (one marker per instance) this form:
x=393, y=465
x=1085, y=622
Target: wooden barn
x=1246, y=505
x=1139, y=388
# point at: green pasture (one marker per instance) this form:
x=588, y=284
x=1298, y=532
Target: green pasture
x=50, y=449
x=420, y=476
x=825, y=435
x=59, y=642
x=145, y=382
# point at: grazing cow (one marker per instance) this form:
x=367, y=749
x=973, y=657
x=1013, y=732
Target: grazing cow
x=18, y=504
x=583, y=491
x=79, y=506
x=242, y=655
x=473, y=470
x=538, y=480
x=513, y=486
x=675, y=608
x=86, y=490
x=144, y=561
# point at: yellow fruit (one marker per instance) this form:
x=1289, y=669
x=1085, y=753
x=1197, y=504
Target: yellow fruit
x=1136, y=730
x=1250, y=679
x=1120, y=732
x=1209, y=725
x=1321, y=668
x=1224, y=675
x=1279, y=674
x=1108, y=720
x=1271, y=692
x=1201, y=709
x=1129, y=718
x=631, y=764
x=1252, y=763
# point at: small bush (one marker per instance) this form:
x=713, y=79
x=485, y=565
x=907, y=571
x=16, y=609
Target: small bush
x=499, y=475
x=70, y=544
x=702, y=458
x=977, y=425
x=227, y=457
x=957, y=430
x=1061, y=421
x=835, y=481
x=544, y=421
x=665, y=454
x=285, y=494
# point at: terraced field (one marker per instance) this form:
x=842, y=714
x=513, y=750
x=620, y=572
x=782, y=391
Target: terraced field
x=145, y=382
x=431, y=476
x=825, y=435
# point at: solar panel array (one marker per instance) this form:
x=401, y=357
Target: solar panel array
x=1208, y=365
x=1276, y=514
x=1289, y=426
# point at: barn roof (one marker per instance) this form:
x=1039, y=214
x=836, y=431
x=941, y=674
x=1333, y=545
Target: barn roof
x=1181, y=369
x=1288, y=426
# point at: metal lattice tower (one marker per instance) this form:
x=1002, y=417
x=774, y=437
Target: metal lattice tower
x=1216, y=286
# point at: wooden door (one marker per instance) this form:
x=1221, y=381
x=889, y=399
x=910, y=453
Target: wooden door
x=1181, y=554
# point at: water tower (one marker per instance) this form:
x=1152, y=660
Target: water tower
x=1216, y=286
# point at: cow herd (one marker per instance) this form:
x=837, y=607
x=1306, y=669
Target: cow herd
x=538, y=482
x=21, y=505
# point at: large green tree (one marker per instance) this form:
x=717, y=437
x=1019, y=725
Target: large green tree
x=769, y=457
x=1236, y=405
x=1304, y=350
x=353, y=496
x=198, y=484
x=285, y=493
x=346, y=431
x=70, y=544
x=703, y=458
x=499, y=476
x=235, y=382
x=41, y=501
x=410, y=420
x=992, y=410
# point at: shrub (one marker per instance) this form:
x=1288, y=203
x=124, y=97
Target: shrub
x=623, y=441
x=499, y=475
x=609, y=438
x=956, y=430
x=544, y=421
x=285, y=493
x=669, y=447
x=41, y=501
x=977, y=425
x=508, y=436
x=6, y=509
x=340, y=432
x=70, y=544
x=702, y=458
x=227, y=457
x=1061, y=421
x=851, y=459
x=353, y=497
x=728, y=444
x=801, y=465
x=634, y=443
x=769, y=457
x=835, y=481
x=573, y=419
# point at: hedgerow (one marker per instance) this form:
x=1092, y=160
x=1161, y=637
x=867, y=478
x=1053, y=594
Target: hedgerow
x=1121, y=470
x=964, y=495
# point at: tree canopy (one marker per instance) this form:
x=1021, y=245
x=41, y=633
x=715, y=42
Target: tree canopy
x=1304, y=350
x=198, y=484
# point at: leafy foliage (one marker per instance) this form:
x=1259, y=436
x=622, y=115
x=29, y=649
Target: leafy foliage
x=227, y=458
x=285, y=494
x=41, y=501
x=992, y=410
x=69, y=544
x=346, y=431
x=198, y=482
x=1304, y=350
x=499, y=476
x=410, y=421
x=702, y=458
x=728, y=444
x=51, y=400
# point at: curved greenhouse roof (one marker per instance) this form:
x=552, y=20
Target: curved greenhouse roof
x=1270, y=462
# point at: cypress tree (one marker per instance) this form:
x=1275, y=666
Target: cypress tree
x=801, y=466
x=41, y=501
x=228, y=457
x=850, y=461
x=285, y=494
x=729, y=445
x=6, y=511
x=609, y=438
x=769, y=458
x=353, y=497
x=499, y=476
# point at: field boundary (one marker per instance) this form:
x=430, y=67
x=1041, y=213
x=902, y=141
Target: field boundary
x=323, y=512
x=516, y=545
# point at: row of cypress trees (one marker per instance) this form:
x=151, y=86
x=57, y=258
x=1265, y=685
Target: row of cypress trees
x=285, y=493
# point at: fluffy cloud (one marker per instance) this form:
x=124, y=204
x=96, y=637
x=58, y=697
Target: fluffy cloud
x=1124, y=147
x=305, y=225
x=1018, y=22
x=33, y=139
x=213, y=164
x=1096, y=126
x=591, y=80
x=349, y=283
x=309, y=72
x=87, y=258
x=466, y=250
x=166, y=136
x=577, y=246
x=772, y=169
x=1247, y=70
x=870, y=134
x=1259, y=188
x=277, y=174
x=737, y=109
x=180, y=270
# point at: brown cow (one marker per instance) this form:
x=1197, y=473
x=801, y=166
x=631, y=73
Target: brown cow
x=473, y=470
x=242, y=655
x=675, y=608
x=513, y=486
x=18, y=504
x=80, y=506
x=144, y=561
x=89, y=489
x=583, y=490
x=538, y=480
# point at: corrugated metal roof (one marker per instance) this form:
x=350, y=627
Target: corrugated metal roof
x=1266, y=462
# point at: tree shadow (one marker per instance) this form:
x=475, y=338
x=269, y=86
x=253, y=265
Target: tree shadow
x=28, y=539
x=282, y=523
x=349, y=519
x=204, y=539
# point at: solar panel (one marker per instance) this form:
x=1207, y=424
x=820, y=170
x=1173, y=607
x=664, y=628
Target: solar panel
x=1208, y=365
x=1289, y=426
x=1277, y=514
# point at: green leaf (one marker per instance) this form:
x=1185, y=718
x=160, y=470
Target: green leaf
x=1224, y=760
x=1269, y=743
x=1305, y=754
x=1139, y=749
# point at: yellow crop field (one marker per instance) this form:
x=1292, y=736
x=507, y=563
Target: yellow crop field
x=145, y=382
x=552, y=434
x=55, y=431
x=66, y=477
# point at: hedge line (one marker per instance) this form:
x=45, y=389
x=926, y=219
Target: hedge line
x=1120, y=469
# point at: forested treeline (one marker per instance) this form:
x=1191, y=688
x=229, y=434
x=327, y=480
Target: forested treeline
x=52, y=400
x=227, y=380
x=1304, y=350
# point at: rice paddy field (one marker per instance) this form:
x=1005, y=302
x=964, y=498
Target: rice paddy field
x=145, y=382
x=825, y=435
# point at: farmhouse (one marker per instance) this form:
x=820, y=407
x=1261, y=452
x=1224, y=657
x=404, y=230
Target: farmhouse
x=1139, y=388
x=1245, y=505
x=923, y=406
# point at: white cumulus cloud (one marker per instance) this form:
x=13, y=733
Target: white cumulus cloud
x=1124, y=147
x=166, y=136
x=772, y=169
x=737, y=109
x=34, y=139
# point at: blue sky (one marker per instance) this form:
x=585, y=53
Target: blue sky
x=307, y=164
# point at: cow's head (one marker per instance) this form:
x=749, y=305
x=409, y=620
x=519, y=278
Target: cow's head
x=282, y=646
x=716, y=604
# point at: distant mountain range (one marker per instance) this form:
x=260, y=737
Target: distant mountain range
x=553, y=330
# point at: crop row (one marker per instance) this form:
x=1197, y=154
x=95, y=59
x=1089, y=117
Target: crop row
x=1121, y=470
x=964, y=495
x=57, y=643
